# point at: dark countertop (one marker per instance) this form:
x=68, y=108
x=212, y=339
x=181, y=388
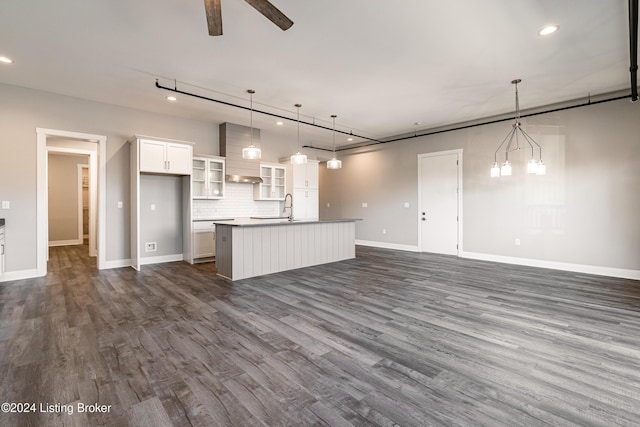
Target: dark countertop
x=1, y=222
x=251, y=222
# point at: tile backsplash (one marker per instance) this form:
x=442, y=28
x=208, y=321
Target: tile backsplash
x=238, y=203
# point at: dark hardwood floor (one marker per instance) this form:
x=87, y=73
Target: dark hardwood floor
x=389, y=338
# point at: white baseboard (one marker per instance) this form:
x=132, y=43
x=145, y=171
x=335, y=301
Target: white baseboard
x=116, y=263
x=19, y=275
x=577, y=268
x=161, y=259
x=65, y=242
x=384, y=245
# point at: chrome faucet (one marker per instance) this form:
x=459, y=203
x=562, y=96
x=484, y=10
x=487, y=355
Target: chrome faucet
x=290, y=207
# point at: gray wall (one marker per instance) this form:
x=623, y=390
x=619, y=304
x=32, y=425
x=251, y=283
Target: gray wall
x=584, y=211
x=23, y=110
x=63, y=196
x=164, y=224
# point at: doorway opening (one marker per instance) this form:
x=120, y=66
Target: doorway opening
x=440, y=202
x=72, y=144
x=68, y=194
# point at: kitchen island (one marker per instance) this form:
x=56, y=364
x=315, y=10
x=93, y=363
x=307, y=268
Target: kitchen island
x=253, y=247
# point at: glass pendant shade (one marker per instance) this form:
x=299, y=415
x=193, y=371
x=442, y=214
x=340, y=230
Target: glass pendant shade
x=542, y=169
x=298, y=159
x=251, y=152
x=505, y=170
x=495, y=170
x=334, y=164
x=532, y=166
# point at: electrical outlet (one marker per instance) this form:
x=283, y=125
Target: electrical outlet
x=6, y=204
x=364, y=205
x=150, y=247
x=517, y=242
x=120, y=204
x=153, y=207
x=406, y=204
x=384, y=231
x=328, y=204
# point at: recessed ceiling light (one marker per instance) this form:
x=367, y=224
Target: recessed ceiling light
x=349, y=139
x=548, y=29
x=279, y=123
x=6, y=60
x=171, y=98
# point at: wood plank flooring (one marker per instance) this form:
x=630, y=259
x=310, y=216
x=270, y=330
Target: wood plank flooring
x=389, y=338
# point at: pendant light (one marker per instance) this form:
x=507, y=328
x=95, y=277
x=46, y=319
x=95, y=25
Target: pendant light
x=298, y=158
x=251, y=152
x=334, y=163
x=534, y=166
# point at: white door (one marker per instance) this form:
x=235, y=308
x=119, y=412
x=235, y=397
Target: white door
x=438, y=210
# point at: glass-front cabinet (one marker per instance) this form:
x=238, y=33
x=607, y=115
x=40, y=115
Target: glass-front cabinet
x=207, y=177
x=273, y=185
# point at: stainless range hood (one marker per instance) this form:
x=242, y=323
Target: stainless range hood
x=233, y=138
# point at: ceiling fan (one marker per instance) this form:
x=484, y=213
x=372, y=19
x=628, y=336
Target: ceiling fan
x=272, y=13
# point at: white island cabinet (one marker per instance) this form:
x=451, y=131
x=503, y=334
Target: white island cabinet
x=249, y=248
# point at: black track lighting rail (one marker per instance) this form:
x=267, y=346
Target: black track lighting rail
x=266, y=113
x=633, y=48
x=489, y=122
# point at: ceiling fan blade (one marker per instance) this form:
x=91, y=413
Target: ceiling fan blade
x=272, y=13
x=214, y=17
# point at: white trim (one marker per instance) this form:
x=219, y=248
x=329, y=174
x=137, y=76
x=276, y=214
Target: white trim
x=577, y=268
x=18, y=275
x=81, y=235
x=160, y=259
x=459, y=152
x=384, y=245
x=117, y=263
x=98, y=175
x=53, y=243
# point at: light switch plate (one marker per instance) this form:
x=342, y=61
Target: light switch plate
x=364, y=205
x=153, y=207
x=406, y=204
x=120, y=204
x=6, y=204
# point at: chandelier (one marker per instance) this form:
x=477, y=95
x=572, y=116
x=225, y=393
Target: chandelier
x=518, y=139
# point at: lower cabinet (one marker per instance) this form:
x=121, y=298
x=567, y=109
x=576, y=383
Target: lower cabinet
x=305, y=204
x=204, y=240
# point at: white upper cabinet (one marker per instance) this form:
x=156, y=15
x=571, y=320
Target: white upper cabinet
x=207, y=177
x=274, y=182
x=165, y=157
x=305, y=175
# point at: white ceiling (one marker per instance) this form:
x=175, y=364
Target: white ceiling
x=380, y=66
